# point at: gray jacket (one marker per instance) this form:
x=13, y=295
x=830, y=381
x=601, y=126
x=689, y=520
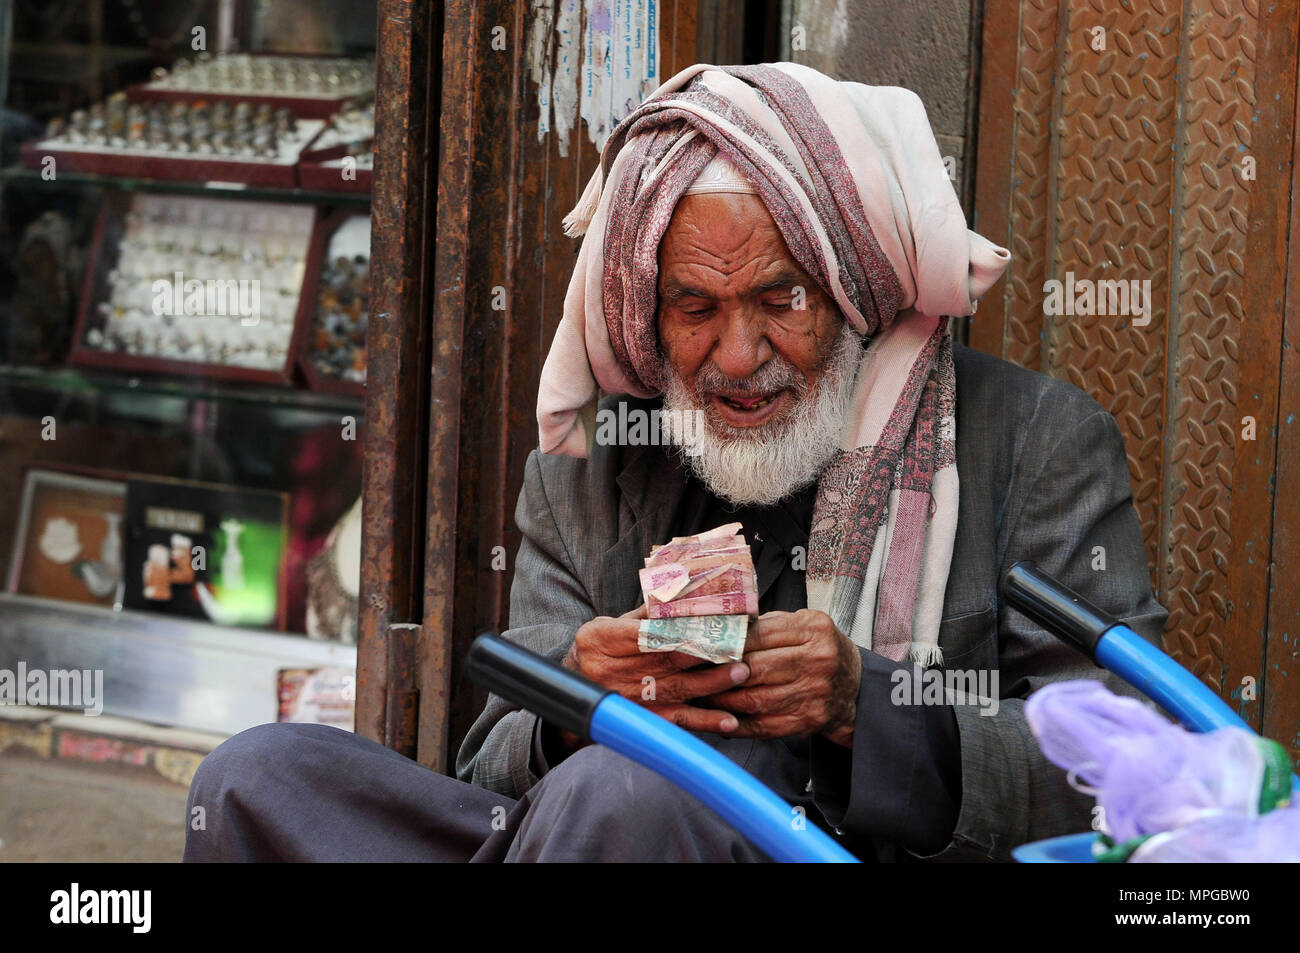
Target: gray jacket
x=1043, y=475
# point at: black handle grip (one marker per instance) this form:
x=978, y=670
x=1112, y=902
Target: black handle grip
x=532, y=681
x=1059, y=610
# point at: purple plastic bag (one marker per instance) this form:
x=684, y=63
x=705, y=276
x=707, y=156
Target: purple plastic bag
x=1147, y=774
x=1272, y=838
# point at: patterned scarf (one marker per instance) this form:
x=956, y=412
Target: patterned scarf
x=853, y=178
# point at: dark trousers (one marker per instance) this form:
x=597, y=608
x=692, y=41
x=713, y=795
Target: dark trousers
x=313, y=793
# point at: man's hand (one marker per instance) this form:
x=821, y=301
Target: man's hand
x=605, y=651
x=804, y=679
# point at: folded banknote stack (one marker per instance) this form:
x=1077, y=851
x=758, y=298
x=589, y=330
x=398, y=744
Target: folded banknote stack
x=700, y=592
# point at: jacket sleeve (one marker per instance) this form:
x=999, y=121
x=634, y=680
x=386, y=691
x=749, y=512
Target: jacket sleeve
x=1073, y=514
x=548, y=604
x=900, y=781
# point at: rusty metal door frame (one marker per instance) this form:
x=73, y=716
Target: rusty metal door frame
x=407, y=82
x=459, y=385
x=462, y=223
x=1272, y=473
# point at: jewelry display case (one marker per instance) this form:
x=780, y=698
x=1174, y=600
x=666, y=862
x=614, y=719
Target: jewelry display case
x=242, y=325
x=182, y=348
x=336, y=306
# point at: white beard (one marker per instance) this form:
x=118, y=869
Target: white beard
x=762, y=465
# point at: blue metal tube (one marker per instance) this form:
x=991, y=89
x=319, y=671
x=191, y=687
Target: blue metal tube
x=1164, y=681
x=740, y=799
x=1167, y=683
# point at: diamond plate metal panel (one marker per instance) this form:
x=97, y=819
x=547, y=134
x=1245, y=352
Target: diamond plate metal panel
x=1030, y=199
x=1114, y=168
x=1128, y=128
x=1212, y=197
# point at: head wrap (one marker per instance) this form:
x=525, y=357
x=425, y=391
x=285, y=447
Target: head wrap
x=853, y=178
x=720, y=177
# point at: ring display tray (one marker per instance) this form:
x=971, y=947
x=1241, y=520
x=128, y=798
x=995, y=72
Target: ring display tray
x=313, y=87
x=344, y=173
x=201, y=287
x=341, y=158
x=279, y=171
x=336, y=294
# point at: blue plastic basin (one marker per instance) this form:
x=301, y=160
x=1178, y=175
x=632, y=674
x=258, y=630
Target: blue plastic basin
x=1070, y=849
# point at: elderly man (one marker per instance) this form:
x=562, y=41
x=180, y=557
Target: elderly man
x=777, y=255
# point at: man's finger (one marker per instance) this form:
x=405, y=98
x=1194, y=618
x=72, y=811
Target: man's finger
x=683, y=686
x=773, y=630
x=762, y=700
x=617, y=638
x=698, y=719
x=767, y=726
x=774, y=666
x=657, y=664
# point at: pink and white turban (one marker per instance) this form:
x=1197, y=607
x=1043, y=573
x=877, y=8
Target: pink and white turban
x=853, y=178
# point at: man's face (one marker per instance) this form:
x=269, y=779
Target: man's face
x=755, y=346
x=730, y=296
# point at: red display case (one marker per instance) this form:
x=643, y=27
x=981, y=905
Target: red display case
x=156, y=356
x=342, y=234
x=279, y=172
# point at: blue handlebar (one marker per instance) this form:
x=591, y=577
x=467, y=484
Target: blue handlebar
x=585, y=708
x=1116, y=647
x=744, y=802
x=1164, y=681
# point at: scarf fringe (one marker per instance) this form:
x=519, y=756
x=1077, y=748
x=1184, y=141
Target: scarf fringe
x=576, y=222
x=924, y=654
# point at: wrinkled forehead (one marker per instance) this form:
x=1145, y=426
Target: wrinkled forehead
x=722, y=220
x=725, y=241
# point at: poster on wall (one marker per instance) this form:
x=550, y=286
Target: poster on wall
x=205, y=551
x=69, y=540
x=317, y=696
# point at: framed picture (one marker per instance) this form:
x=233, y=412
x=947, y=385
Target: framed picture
x=205, y=551
x=317, y=696
x=195, y=287
x=69, y=543
x=337, y=289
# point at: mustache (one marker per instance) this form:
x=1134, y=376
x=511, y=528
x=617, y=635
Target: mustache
x=777, y=374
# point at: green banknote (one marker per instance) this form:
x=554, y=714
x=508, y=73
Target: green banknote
x=714, y=638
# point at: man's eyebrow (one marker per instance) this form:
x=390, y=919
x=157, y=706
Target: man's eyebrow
x=675, y=292
x=788, y=279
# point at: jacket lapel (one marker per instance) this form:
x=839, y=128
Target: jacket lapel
x=650, y=487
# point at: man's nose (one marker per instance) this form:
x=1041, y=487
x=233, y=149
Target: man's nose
x=742, y=346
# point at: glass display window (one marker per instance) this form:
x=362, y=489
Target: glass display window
x=184, y=294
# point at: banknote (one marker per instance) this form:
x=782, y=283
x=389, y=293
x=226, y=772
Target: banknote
x=727, y=529
x=674, y=552
x=708, y=574
x=714, y=638
x=712, y=582
x=662, y=583
x=698, y=565
x=727, y=603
